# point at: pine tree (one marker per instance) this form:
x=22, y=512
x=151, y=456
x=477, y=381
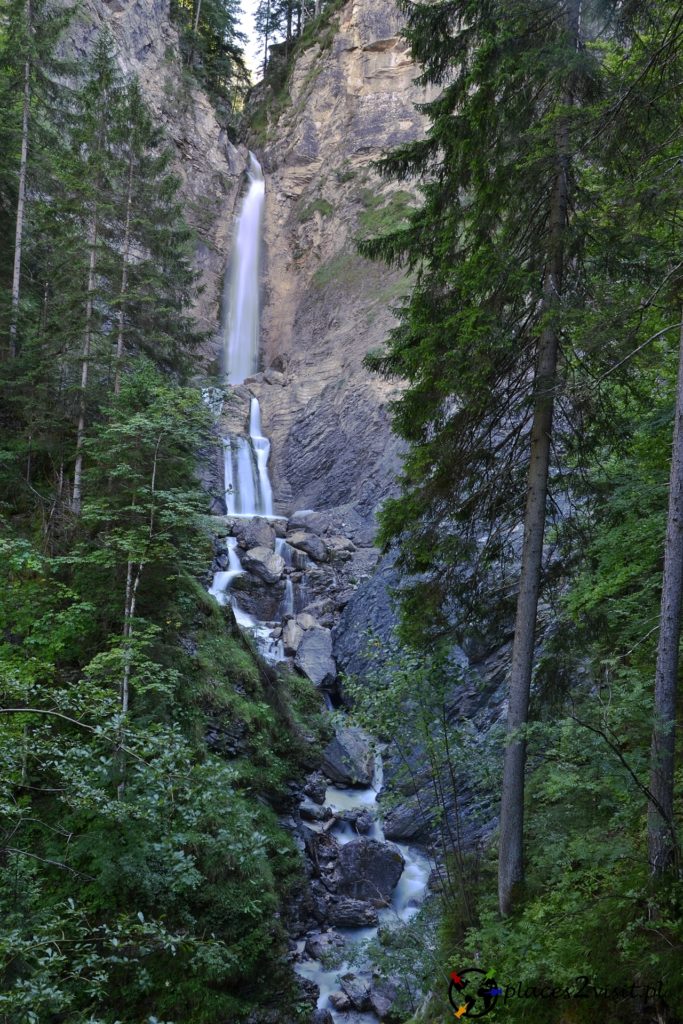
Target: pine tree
x=29, y=90
x=485, y=339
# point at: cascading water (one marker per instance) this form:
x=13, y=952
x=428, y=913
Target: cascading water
x=241, y=310
x=405, y=901
x=248, y=492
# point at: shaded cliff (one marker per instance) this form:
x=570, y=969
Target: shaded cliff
x=348, y=99
x=208, y=164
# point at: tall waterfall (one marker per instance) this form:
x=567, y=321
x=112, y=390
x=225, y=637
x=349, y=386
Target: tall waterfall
x=241, y=313
x=247, y=484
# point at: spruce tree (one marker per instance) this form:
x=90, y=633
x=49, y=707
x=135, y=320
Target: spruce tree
x=484, y=341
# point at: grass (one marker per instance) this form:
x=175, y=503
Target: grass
x=320, y=206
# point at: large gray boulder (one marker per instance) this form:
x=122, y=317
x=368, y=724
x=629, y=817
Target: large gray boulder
x=292, y=635
x=254, y=533
x=357, y=989
x=348, y=759
x=314, y=656
x=310, y=543
x=368, y=870
x=265, y=564
x=344, y=912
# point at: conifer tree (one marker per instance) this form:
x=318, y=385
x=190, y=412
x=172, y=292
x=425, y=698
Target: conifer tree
x=29, y=90
x=483, y=340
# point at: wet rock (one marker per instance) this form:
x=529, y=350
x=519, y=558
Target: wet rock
x=364, y=822
x=314, y=812
x=383, y=996
x=320, y=944
x=315, y=787
x=310, y=543
x=344, y=912
x=348, y=758
x=322, y=1017
x=265, y=564
x=308, y=990
x=254, y=533
x=340, y=1001
x=314, y=656
x=357, y=990
x=368, y=869
x=291, y=637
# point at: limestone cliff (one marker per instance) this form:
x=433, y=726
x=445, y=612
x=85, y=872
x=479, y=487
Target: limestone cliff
x=348, y=99
x=209, y=166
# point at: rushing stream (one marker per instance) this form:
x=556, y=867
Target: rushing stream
x=248, y=493
x=405, y=901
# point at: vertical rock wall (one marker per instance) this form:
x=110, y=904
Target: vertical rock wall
x=349, y=98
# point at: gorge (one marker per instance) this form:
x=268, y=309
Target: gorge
x=341, y=490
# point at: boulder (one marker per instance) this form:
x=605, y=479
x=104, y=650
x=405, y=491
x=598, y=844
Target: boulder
x=254, y=533
x=383, y=996
x=305, y=621
x=315, y=787
x=265, y=564
x=272, y=376
x=340, y=1001
x=348, y=913
x=320, y=944
x=368, y=870
x=358, y=991
x=310, y=543
x=314, y=812
x=291, y=637
x=348, y=759
x=322, y=1017
x=314, y=656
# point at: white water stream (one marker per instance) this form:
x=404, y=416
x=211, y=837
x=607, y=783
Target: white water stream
x=248, y=493
x=405, y=901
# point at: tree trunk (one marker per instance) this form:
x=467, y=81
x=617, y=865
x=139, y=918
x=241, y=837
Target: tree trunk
x=288, y=37
x=662, y=846
x=318, y=8
x=124, y=280
x=21, y=203
x=511, y=842
x=85, y=365
x=267, y=39
x=195, y=29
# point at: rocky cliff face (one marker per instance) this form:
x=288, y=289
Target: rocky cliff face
x=209, y=166
x=349, y=98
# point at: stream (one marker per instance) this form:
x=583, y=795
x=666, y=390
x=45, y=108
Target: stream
x=249, y=496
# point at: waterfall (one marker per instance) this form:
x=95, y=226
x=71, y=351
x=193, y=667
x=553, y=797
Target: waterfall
x=261, y=446
x=241, y=313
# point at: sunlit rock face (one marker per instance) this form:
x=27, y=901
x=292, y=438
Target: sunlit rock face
x=324, y=306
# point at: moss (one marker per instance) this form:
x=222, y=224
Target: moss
x=344, y=270
x=320, y=206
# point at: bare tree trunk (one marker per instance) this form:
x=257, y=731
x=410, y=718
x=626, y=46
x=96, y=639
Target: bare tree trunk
x=21, y=202
x=195, y=29
x=132, y=585
x=267, y=39
x=662, y=846
x=318, y=8
x=511, y=842
x=85, y=366
x=124, y=280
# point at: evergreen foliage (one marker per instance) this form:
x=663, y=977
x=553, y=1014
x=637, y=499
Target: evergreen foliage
x=142, y=867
